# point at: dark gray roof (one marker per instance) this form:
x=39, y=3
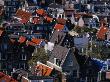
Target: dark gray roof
x=59, y=52
x=57, y=35
x=55, y=5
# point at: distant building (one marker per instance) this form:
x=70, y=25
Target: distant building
x=13, y=54
x=65, y=61
x=11, y=7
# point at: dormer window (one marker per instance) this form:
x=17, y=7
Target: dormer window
x=57, y=61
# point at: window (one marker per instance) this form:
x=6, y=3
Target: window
x=5, y=46
x=57, y=61
x=23, y=57
x=70, y=63
x=22, y=49
x=75, y=73
x=38, y=28
x=13, y=3
x=22, y=65
x=8, y=2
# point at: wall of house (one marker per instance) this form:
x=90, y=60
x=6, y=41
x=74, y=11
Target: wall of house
x=11, y=7
x=71, y=66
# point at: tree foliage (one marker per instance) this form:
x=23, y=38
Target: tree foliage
x=38, y=55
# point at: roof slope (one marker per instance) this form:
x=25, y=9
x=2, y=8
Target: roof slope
x=58, y=37
x=59, y=52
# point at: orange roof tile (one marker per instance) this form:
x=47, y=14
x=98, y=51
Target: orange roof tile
x=59, y=27
x=30, y=43
x=48, y=18
x=23, y=14
x=40, y=11
x=61, y=21
x=101, y=32
x=44, y=69
x=22, y=39
x=6, y=78
x=36, y=41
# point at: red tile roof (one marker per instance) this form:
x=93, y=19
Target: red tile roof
x=6, y=78
x=23, y=14
x=44, y=69
x=59, y=27
x=61, y=21
x=36, y=41
x=40, y=11
x=22, y=39
x=101, y=33
x=49, y=19
x=30, y=43
x=23, y=21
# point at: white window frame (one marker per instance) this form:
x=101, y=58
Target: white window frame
x=23, y=56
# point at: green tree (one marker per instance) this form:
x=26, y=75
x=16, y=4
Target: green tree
x=38, y=55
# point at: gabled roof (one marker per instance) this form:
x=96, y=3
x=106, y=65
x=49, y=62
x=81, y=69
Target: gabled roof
x=23, y=21
x=58, y=37
x=23, y=15
x=49, y=19
x=102, y=31
x=36, y=41
x=59, y=27
x=59, y=52
x=40, y=11
x=30, y=43
x=6, y=78
x=61, y=21
x=55, y=5
x=22, y=39
x=44, y=69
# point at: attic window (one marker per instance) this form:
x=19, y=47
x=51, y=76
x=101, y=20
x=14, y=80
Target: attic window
x=57, y=61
